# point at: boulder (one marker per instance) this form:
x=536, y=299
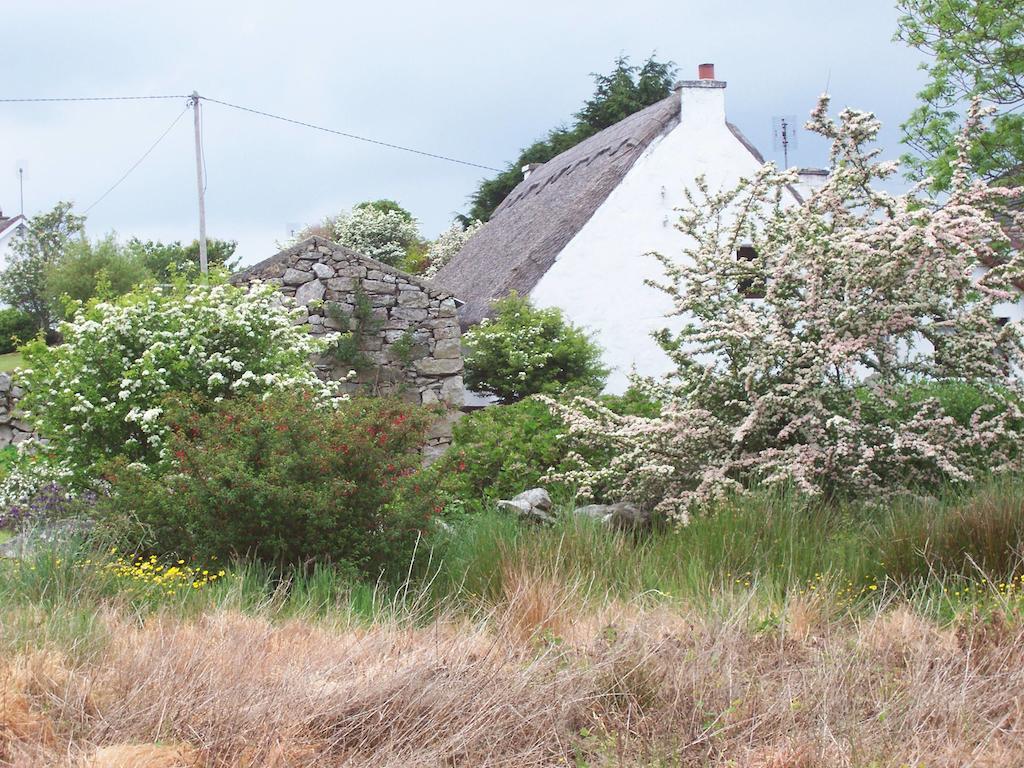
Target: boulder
x=448, y=348
x=294, y=276
x=323, y=271
x=533, y=505
x=413, y=299
x=429, y=366
x=622, y=516
x=311, y=291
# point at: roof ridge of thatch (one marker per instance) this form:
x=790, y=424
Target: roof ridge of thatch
x=546, y=210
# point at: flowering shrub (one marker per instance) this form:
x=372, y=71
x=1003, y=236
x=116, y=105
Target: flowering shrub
x=870, y=301
x=447, y=244
x=384, y=235
x=33, y=487
x=526, y=350
x=100, y=394
x=280, y=479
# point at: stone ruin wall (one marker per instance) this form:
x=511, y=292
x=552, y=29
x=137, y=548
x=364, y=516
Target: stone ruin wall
x=12, y=429
x=409, y=346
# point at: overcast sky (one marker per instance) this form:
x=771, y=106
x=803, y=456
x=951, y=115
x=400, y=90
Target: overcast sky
x=473, y=80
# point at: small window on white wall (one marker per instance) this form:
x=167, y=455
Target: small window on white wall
x=751, y=283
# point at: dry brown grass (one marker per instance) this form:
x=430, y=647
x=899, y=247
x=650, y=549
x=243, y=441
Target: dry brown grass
x=538, y=682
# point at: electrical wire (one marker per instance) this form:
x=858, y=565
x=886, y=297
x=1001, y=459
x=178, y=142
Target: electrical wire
x=93, y=98
x=348, y=135
x=138, y=162
x=260, y=112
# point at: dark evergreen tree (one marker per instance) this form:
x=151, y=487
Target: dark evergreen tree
x=626, y=89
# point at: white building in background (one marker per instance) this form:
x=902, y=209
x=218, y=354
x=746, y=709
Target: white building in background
x=11, y=227
x=575, y=232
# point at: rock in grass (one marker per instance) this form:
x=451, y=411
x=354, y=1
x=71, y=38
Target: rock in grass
x=533, y=505
x=622, y=516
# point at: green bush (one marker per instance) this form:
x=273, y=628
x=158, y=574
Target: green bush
x=7, y=457
x=500, y=451
x=16, y=327
x=527, y=351
x=958, y=399
x=283, y=480
x=90, y=269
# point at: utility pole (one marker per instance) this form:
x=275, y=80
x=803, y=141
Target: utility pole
x=21, y=188
x=203, y=267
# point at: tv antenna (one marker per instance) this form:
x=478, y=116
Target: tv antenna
x=784, y=135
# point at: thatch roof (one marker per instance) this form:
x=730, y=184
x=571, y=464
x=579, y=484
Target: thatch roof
x=513, y=250
x=274, y=267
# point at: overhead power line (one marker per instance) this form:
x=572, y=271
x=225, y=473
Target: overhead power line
x=95, y=98
x=349, y=135
x=260, y=112
x=138, y=162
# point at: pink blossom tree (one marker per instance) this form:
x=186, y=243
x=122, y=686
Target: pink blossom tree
x=868, y=304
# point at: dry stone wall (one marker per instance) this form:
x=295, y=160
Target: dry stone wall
x=405, y=337
x=13, y=430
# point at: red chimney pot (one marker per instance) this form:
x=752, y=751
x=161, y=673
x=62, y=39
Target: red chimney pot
x=706, y=71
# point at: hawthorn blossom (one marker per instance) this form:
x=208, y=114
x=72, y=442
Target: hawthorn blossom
x=834, y=382
x=100, y=393
x=447, y=244
x=382, y=235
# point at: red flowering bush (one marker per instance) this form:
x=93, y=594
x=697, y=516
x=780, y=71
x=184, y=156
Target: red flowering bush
x=284, y=480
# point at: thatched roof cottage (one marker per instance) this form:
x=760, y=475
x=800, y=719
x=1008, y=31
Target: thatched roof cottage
x=575, y=233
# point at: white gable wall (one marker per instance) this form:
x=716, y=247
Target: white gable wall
x=7, y=237
x=598, y=278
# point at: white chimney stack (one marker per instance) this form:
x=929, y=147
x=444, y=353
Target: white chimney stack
x=530, y=168
x=702, y=101
x=811, y=180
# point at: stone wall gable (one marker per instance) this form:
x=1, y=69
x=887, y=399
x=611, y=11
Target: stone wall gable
x=13, y=428
x=406, y=332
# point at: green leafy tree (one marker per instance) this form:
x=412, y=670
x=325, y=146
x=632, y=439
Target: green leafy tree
x=387, y=206
x=975, y=50
x=23, y=282
x=87, y=270
x=626, y=89
x=167, y=260
x=16, y=327
x=526, y=351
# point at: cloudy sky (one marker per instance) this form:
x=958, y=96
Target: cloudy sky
x=472, y=80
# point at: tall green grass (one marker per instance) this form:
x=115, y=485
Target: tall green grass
x=776, y=544
x=945, y=555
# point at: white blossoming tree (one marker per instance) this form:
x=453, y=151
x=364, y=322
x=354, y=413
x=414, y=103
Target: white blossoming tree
x=447, y=244
x=382, y=234
x=836, y=380
x=100, y=394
